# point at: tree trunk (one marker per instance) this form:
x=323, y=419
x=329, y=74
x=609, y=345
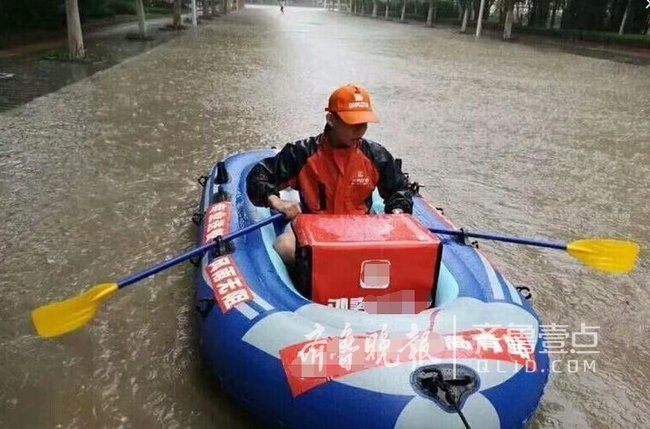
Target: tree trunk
x=507, y=28
x=387, y=9
x=460, y=9
x=374, y=8
x=621, y=29
x=194, y=20
x=142, y=25
x=430, y=14
x=176, y=22
x=518, y=15
x=463, y=27
x=403, y=10
x=502, y=13
x=479, y=23
x=224, y=7
x=551, y=24
x=543, y=12
x=75, y=37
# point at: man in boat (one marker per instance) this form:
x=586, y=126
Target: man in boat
x=335, y=172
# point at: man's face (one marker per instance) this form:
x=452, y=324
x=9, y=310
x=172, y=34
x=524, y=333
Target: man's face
x=346, y=134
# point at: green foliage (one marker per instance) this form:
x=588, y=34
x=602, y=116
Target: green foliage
x=585, y=14
x=50, y=14
x=447, y=9
x=606, y=38
x=95, y=9
x=158, y=6
x=24, y=14
x=123, y=7
x=603, y=15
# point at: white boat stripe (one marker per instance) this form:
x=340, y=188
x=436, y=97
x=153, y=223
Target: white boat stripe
x=514, y=294
x=497, y=291
x=262, y=302
x=247, y=310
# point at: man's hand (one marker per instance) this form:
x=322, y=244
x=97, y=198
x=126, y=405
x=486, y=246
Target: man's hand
x=290, y=209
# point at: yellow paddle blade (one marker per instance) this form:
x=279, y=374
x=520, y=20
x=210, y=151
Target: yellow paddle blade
x=611, y=256
x=59, y=318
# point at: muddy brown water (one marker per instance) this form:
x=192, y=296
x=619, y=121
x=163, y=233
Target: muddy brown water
x=97, y=181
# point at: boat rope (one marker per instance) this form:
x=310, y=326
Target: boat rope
x=438, y=381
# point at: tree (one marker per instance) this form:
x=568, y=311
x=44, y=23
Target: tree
x=621, y=29
x=556, y=4
x=486, y=9
x=374, y=8
x=585, y=14
x=433, y=5
x=176, y=23
x=142, y=24
x=75, y=37
x=387, y=9
x=403, y=10
x=479, y=22
x=509, y=6
x=194, y=20
x=538, y=13
x=466, y=6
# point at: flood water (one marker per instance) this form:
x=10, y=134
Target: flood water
x=28, y=75
x=97, y=181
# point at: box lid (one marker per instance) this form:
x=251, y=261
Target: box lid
x=323, y=229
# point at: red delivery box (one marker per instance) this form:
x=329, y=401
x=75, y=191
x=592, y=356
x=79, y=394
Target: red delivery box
x=380, y=264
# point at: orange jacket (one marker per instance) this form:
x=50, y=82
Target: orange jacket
x=337, y=181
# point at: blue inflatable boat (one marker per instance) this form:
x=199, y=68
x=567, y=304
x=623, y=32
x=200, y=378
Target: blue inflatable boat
x=474, y=358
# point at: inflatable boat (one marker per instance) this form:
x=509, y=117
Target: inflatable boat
x=384, y=324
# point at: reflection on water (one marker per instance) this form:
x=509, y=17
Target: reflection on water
x=98, y=181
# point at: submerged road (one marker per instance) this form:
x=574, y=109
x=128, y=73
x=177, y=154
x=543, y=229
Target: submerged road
x=97, y=181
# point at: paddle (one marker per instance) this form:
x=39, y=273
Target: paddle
x=59, y=318
x=603, y=254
